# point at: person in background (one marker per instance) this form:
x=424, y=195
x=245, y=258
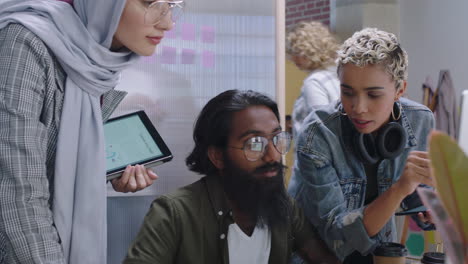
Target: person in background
x=59, y=64
x=358, y=159
x=312, y=47
x=239, y=213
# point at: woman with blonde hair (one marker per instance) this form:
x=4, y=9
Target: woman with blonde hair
x=359, y=158
x=312, y=47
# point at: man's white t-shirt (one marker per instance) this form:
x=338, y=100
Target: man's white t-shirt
x=249, y=250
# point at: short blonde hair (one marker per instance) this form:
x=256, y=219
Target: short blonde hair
x=374, y=46
x=313, y=41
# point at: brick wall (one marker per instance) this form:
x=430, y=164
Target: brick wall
x=298, y=10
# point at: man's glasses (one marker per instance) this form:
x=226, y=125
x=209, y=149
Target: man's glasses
x=158, y=10
x=255, y=147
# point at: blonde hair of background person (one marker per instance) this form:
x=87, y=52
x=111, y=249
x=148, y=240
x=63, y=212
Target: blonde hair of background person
x=312, y=47
x=312, y=44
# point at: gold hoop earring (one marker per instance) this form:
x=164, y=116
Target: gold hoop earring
x=398, y=106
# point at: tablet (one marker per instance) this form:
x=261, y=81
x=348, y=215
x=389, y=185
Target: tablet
x=132, y=139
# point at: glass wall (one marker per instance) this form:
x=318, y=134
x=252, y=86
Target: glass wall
x=216, y=46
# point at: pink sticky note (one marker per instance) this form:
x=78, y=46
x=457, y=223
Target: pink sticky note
x=188, y=31
x=168, y=55
x=207, y=34
x=171, y=34
x=188, y=56
x=208, y=59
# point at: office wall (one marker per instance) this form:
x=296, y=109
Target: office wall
x=435, y=35
x=298, y=10
x=354, y=15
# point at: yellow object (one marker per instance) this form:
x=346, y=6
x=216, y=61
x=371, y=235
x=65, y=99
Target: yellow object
x=450, y=169
x=294, y=80
x=433, y=241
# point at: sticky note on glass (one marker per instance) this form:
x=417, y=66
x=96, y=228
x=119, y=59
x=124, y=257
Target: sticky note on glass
x=188, y=31
x=207, y=34
x=168, y=55
x=188, y=56
x=208, y=59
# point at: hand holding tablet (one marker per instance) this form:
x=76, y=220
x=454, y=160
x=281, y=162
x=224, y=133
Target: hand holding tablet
x=130, y=140
x=133, y=179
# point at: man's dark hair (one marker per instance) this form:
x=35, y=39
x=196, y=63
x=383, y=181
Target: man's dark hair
x=214, y=124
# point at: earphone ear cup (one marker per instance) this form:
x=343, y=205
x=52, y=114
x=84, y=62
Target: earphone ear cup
x=364, y=147
x=391, y=140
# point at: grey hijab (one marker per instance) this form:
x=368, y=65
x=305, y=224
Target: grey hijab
x=80, y=39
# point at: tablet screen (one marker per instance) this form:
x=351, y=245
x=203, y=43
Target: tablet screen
x=130, y=141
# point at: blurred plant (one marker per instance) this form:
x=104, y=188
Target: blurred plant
x=450, y=171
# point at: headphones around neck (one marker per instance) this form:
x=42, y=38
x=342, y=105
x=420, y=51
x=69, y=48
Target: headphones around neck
x=389, y=142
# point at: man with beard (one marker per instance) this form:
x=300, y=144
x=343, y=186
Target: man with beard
x=240, y=212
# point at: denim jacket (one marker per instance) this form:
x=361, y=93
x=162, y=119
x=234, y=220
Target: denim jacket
x=329, y=182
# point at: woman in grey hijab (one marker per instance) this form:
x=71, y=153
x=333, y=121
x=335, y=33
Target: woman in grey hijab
x=59, y=64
